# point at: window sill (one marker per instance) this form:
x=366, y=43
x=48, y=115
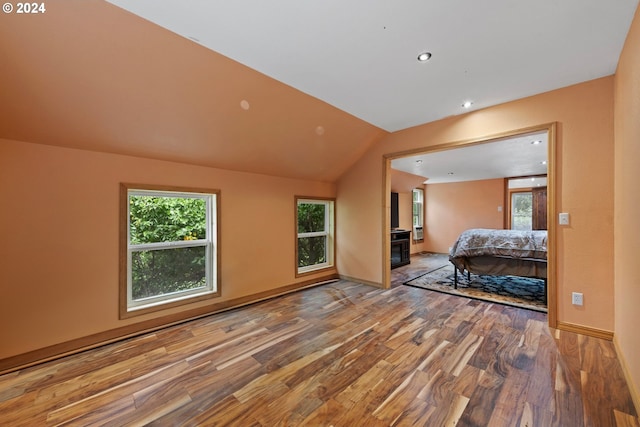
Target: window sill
x=323, y=269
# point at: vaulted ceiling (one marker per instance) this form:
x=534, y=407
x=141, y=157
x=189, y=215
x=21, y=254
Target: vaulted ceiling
x=361, y=55
x=287, y=88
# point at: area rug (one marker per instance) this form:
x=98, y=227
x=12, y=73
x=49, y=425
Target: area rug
x=508, y=290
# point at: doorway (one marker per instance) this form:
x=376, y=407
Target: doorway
x=506, y=142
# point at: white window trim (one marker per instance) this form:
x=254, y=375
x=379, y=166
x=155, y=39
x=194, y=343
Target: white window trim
x=211, y=285
x=329, y=231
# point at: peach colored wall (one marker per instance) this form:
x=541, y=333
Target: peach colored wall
x=142, y=91
x=59, y=228
x=627, y=205
x=584, y=114
x=403, y=182
x=145, y=91
x=458, y=206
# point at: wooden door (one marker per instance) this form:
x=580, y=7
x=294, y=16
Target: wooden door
x=539, y=211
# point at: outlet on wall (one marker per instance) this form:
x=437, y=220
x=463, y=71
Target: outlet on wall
x=576, y=298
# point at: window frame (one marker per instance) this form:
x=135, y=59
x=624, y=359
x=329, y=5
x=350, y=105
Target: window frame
x=130, y=308
x=329, y=233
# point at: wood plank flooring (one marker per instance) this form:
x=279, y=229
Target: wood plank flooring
x=342, y=354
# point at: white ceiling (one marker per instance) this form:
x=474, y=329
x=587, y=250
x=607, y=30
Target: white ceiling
x=360, y=55
x=510, y=157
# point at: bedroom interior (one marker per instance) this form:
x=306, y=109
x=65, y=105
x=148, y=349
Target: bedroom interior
x=522, y=160
x=162, y=102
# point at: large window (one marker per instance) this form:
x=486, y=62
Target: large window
x=315, y=234
x=168, y=247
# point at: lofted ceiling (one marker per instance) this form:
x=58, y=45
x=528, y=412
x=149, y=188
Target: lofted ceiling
x=361, y=55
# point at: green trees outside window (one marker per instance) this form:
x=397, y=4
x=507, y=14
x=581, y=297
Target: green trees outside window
x=311, y=219
x=160, y=271
x=170, y=251
x=315, y=234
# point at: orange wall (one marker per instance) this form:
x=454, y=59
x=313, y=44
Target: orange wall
x=92, y=76
x=584, y=114
x=146, y=92
x=458, y=206
x=627, y=206
x=59, y=228
x=403, y=182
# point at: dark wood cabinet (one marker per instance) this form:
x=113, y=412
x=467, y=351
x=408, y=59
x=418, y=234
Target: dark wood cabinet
x=400, y=248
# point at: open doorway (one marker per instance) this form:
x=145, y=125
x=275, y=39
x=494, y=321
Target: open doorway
x=460, y=161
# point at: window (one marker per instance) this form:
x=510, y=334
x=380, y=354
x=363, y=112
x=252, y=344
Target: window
x=418, y=207
x=168, y=247
x=521, y=210
x=418, y=213
x=315, y=234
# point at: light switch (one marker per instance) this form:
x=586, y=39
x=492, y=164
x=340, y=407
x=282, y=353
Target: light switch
x=563, y=218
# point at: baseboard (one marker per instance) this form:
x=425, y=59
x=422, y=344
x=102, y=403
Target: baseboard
x=585, y=330
x=78, y=345
x=635, y=395
x=364, y=282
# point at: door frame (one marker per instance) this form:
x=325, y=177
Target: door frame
x=550, y=128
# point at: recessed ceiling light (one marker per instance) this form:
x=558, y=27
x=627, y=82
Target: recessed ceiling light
x=419, y=161
x=536, y=142
x=467, y=104
x=424, y=56
x=544, y=162
x=450, y=173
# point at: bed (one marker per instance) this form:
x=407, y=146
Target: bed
x=501, y=253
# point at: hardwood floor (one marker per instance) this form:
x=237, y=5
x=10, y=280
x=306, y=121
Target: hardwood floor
x=342, y=354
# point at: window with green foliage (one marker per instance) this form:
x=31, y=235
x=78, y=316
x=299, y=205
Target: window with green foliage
x=170, y=240
x=315, y=234
x=521, y=210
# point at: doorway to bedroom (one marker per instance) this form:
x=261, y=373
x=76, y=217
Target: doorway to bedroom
x=487, y=183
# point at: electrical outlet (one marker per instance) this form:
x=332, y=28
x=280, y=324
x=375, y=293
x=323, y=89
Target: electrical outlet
x=576, y=298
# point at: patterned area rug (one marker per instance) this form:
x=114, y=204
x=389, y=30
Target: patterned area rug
x=509, y=290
